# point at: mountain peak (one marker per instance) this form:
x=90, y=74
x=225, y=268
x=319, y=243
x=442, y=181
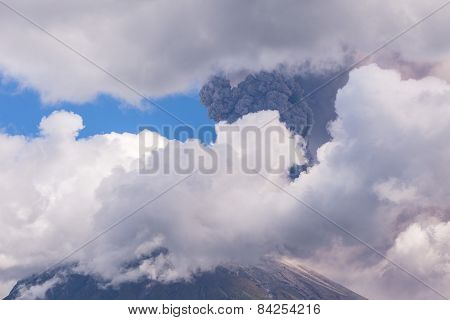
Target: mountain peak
x=270, y=279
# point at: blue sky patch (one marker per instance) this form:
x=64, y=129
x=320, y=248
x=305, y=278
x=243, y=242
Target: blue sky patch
x=21, y=110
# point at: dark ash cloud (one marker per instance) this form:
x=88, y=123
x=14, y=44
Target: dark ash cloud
x=260, y=91
x=282, y=91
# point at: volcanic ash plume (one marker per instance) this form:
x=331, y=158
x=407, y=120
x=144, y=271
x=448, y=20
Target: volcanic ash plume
x=261, y=91
x=303, y=114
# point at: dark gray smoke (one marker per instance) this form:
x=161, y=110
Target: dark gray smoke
x=278, y=91
x=262, y=91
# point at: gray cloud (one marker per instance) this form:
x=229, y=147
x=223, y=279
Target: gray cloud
x=160, y=47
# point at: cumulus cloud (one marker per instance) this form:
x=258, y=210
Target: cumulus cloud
x=48, y=189
x=383, y=177
x=59, y=191
x=160, y=47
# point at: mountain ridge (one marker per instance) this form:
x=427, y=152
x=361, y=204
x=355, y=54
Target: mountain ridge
x=267, y=280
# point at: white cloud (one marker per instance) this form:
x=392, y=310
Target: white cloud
x=432, y=242
x=161, y=47
x=383, y=178
x=58, y=191
x=48, y=189
x=37, y=291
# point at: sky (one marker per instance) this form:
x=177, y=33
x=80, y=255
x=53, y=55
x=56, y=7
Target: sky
x=69, y=142
x=21, y=110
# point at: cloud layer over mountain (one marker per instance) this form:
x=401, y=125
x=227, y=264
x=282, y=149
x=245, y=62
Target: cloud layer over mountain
x=58, y=192
x=161, y=47
x=383, y=178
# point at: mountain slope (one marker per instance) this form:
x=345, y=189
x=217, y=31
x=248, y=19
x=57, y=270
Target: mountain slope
x=268, y=280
